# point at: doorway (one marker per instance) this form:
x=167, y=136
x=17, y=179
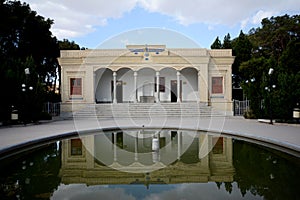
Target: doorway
x=174, y=92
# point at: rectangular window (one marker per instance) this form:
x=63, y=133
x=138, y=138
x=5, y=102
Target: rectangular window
x=217, y=85
x=119, y=139
x=75, y=86
x=218, y=145
x=76, y=147
x=161, y=84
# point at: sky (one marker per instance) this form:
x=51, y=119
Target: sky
x=157, y=192
x=92, y=23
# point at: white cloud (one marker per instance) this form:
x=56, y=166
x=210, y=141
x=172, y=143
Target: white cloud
x=77, y=18
x=256, y=19
x=181, y=191
x=219, y=11
x=244, y=23
x=200, y=191
x=81, y=191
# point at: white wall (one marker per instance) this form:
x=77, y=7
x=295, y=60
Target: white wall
x=126, y=76
x=103, y=85
x=145, y=78
x=189, y=77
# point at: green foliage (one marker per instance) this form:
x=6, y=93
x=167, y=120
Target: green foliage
x=242, y=48
x=274, y=45
x=249, y=114
x=227, y=42
x=268, y=174
x=225, y=45
x=67, y=45
x=25, y=42
x=217, y=44
x=45, y=116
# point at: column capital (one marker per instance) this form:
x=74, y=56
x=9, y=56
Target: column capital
x=178, y=73
x=157, y=73
x=135, y=73
x=114, y=73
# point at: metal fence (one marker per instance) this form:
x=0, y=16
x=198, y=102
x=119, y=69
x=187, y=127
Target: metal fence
x=52, y=108
x=240, y=107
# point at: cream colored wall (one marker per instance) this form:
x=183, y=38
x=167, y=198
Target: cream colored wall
x=103, y=77
x=208, y=63
x=84, y=168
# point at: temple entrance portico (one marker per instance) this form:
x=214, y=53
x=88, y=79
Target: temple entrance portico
x=146, y=74
x=146, y=85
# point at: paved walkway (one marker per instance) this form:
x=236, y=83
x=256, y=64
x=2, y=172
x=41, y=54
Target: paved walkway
x=278, y=134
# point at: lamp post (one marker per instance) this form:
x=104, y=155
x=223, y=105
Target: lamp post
x=24, y=89
x=269, y=89
x=296, y=113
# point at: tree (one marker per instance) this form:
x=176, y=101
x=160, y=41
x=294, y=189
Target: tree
x=25, y=42
x=277, y=43
x=255, y=69
x=227, y=42
x=272, y=38
x=242, y=50
x=65, y=44
x=216, y=44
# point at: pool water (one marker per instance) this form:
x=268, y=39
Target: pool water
x=124, y=165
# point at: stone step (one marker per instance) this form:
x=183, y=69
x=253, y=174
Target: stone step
x=146, y=110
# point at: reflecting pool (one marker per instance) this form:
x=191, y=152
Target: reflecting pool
x=150, y=164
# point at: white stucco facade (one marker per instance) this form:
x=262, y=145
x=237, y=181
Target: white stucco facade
x=117, y=155
x=146, y=73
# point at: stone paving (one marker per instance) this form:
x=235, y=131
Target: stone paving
x=281, y=135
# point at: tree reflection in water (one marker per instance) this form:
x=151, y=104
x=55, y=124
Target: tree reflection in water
x=235, y=166
x=265, y=172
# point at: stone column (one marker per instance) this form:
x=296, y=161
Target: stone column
x=178, y=87
x=115, y=87
x=229, y=150
x=157, y=86
x=63, y=87
x=88, y=90
x=204, y=150
x=200, y=85
x=203, y=84
x=94, y=87
x=179, y=143
x=136, y=147
x=115, y=147
x=89, y=144
x=135, y=86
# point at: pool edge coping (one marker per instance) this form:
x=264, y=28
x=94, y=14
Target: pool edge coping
x=273, y=143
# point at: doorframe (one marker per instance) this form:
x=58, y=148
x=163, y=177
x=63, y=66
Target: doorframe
x=171, y=91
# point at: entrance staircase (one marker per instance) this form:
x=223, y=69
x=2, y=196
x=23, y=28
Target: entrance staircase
x=146, y=110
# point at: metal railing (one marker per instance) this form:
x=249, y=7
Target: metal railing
x=240, y=107
x=52, y=108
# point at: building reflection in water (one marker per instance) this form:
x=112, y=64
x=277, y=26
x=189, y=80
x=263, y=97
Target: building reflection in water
x=127, y=158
